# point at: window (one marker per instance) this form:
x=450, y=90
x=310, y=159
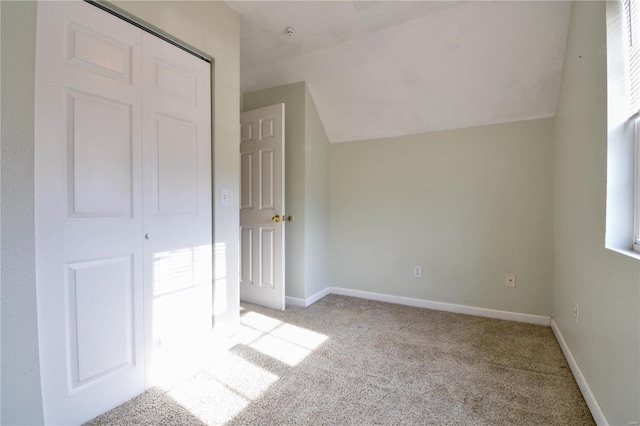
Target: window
x=631, y=24
x=636, y=163
x=632, y=39
x=623, y=103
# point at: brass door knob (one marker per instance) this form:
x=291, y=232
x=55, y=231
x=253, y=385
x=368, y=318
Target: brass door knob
x=290, y=218
x=276, y=218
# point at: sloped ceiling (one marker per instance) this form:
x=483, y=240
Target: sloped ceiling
x=390, y=68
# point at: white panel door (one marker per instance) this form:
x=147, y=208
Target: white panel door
x=262, y=206
x=88, y=205
x=178, y=209
x=123, y=209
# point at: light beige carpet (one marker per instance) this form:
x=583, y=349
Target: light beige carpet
x=351, y=361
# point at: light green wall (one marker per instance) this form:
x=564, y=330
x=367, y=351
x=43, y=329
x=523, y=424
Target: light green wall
x=468, y=205
x=306, y=186
x=208, y=26
x=317, y=200
x=605, y=284
x=20, y=387
x=293, y=97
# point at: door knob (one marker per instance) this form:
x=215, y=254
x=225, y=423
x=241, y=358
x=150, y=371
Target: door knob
x=290, y=218
x=147, y=236
x=276, y=218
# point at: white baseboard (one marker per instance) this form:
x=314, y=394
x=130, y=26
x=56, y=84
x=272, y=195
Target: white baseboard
x=294, y=301
x=441, y=306
x=589, y=397
x=303, y=303
x=319, y=295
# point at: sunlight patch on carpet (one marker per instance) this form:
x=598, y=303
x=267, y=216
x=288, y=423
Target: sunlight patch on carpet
x=280, y=349
x=244, y=377
x=299, y=336
x=209, y=400
x=219, y=393
x=287, y=343
x=259, y=321
x=230, y=384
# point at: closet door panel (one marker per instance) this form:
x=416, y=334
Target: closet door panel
x=177, y=206
x=88, y=183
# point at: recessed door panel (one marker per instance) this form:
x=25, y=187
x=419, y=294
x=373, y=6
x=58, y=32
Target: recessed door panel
x=98, y=52
x=176, y=167
x=267, y=257
x=267, y=179
x=267, y=128
x=175, y=81
x=101, y=327
x=246, y=180
x=246, y=257
x=100, y=156
x=246, y=132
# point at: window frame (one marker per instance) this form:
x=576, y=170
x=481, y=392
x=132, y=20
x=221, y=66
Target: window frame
x=631, y=25
x=636, y=182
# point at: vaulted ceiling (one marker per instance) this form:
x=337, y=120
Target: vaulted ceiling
x=390, y=68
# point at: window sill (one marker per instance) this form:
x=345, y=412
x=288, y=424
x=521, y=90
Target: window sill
x=626, y=252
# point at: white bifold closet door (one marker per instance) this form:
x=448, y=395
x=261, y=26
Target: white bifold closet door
x=123, y=209
x=178, y=270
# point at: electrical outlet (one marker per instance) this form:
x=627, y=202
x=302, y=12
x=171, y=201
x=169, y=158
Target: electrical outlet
x=576, y=311
x=417, y=271
x=510, y=280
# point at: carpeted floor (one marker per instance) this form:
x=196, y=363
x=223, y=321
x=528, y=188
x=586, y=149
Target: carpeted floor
x=352, y=361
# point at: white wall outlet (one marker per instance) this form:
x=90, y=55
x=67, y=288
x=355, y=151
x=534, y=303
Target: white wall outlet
x=224, y=196
x=510, y=280
x=576, y=311
x=417, y=271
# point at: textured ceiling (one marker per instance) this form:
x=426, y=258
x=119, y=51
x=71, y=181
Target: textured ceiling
x=382, y=69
